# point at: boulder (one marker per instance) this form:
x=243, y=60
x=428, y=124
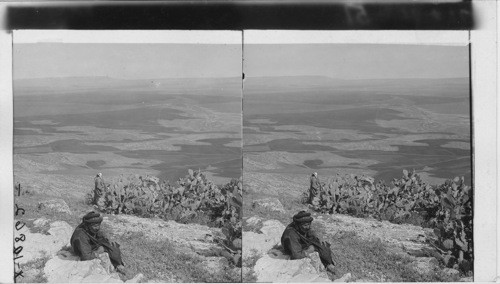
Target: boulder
x=452, y=273
x=67, y=268
x=345, y=278
x=260, y=244
x=32, y=275
x=137, y=279
x=270, y=204
x=57, y=205
x=256, y=244
x=38, y=245
x=424, y=265
x=253, y=221
x=215, y=264
x=272, y=228
x=466, y=279
x=40, y=222
x=282, y=269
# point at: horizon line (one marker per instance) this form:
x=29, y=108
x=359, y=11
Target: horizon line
x=231, y=77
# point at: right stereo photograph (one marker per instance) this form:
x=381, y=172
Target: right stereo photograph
x=357, y=163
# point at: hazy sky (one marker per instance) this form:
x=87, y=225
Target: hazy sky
x=147, y=61
x=356, y=61
x=126, y=61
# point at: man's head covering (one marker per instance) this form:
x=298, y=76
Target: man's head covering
x=99, y=175
x=315, y=174
x=92, y=217
x=302, y=217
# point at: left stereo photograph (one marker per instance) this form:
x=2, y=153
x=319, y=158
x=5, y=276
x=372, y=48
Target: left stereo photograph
x=127, y=156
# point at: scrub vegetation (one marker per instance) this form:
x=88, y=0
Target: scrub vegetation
x=192, y=199
x=447, y=208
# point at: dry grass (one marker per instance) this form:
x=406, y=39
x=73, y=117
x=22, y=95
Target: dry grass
x=369, y=260
x=161, y=260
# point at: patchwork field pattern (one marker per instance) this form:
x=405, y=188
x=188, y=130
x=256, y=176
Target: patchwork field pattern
x=76, y=127
x=371, y=127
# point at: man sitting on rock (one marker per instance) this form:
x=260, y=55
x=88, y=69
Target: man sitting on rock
x=88, y=241
x=299, y=240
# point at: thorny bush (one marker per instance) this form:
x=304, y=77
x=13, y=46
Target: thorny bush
x=192, y=195
x=447, y=208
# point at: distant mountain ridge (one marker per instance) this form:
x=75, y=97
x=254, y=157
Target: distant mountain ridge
x=71, y=84
x=405, y=86
x=447, y=87
x=326, y=79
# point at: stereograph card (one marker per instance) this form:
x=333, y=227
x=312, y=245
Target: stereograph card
x=177, y=155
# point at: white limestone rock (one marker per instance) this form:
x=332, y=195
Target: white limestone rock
x=271, y=204
x=137, y=279
x=282, y=269
x=38, y=245
x=450, y=272
x=40, y=222
x=67, y=268
x=260, y=244
x=58, y=205
x=253, y=221
x=272, y=228
x=424, y=265
x=345, y=278
x=215, y=264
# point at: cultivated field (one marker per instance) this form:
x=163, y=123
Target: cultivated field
x=67, y=130
x=371, y=127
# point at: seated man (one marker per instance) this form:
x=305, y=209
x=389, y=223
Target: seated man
x=299, y=240
x=88, y=241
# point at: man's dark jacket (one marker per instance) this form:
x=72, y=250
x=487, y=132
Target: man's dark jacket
x=84, y=245
x=295, y=244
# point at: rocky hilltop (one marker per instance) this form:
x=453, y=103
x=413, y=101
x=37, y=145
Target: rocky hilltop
x=365, y=250
x=47, y=255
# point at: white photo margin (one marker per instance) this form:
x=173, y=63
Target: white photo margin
x=484, y=55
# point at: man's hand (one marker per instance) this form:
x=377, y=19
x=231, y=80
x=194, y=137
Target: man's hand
x=331, y=268
x=100, y=250
x=310, y=249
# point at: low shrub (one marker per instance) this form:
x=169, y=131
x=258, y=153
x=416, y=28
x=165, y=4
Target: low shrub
x=447, y=208
x=192, y=198
x=35, y=266
x=373, y=261
x=164, y=261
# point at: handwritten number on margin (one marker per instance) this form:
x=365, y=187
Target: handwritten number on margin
x=19, y=223
x=19, y=209
x=22, y=238
x=18, y=273
x=18, y=250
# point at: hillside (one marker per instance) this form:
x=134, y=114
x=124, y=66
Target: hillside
x=158, y=244
x=365, y=249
